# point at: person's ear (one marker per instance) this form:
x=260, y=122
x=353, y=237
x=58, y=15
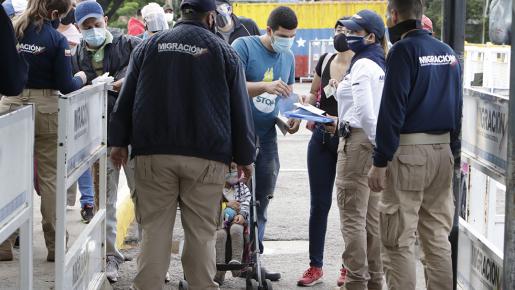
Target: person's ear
x=371, y=38
x=105, y=20
x=269, y=31
x=395, y=16
x=54, y=14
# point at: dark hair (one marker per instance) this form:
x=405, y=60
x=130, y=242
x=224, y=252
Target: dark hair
x=408, y=8
x=37, y=12
x=341, y=19
x=188, y=13
x=138, y=12
x=284, y=17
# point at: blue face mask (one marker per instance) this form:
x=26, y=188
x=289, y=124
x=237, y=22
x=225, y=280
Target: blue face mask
x=356, y=43
x=94, y=37
x=282, y=44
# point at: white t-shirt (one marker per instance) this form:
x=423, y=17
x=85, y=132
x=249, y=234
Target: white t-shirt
x=359, y=96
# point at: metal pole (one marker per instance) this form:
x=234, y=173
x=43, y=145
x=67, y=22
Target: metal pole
x=454, y=35
x=509, y=223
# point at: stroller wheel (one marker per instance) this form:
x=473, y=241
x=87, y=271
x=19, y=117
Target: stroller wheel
x=183, y=285
x=252, y=284
x=268, y=285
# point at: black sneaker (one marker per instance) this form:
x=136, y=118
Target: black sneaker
x=87, y=213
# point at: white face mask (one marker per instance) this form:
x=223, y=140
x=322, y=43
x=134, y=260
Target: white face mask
x=232, y=177
x=169, y=17
x=94, y=37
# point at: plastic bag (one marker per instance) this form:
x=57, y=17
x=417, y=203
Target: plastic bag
x=500, y=21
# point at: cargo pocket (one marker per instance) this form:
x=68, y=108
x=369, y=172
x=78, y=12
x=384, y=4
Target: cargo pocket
x=214, y=173
x=390, y=223
x=412, y=172
x=346, y=196
x=46, y=123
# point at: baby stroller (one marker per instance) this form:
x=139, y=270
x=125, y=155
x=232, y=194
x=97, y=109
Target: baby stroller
x=251, y=264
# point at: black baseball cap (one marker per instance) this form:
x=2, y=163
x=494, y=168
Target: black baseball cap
x=199, y=5
x=366, y=20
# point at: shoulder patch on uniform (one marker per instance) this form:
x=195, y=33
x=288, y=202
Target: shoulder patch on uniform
x=67, y=52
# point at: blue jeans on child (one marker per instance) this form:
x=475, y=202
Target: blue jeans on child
x=322, y=157
x=87, y=193
x=267, y=170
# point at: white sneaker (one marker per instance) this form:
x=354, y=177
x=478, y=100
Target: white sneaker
x=112, y=269
x=167, y=278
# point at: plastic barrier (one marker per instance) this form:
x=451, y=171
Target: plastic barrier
x=82, y=140
x=16, y=179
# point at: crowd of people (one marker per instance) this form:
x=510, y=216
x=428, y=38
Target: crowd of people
x=192, y=114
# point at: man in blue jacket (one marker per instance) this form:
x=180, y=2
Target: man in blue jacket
x=185, y=111
x=417, y=133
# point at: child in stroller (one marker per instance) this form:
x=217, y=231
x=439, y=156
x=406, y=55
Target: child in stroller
x=234, y=222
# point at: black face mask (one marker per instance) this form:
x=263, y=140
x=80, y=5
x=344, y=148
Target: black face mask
x=69, y=18
x=340, y=43
x=395, y=33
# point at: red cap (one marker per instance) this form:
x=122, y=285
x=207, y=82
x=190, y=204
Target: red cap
x=427, y=24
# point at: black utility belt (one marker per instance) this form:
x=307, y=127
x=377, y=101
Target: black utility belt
x=344, y=130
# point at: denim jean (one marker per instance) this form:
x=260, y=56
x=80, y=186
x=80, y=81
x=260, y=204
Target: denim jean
x=87, y=193
x=267, y=170
x=322, y=157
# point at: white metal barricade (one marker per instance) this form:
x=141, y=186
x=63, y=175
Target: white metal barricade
x=484, y=149
x=479, y=262
x=16, y=184
x=82, y=139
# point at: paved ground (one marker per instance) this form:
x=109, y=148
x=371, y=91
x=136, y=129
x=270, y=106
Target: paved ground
x=287, y=232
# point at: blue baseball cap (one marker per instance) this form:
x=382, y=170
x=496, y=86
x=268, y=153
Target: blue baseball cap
x=366, y=20
x=200, y=5
x=88, y=9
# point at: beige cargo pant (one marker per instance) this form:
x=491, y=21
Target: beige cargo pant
x=418, y=197
x=163, y=182
x=359, y=214
x=45, y=152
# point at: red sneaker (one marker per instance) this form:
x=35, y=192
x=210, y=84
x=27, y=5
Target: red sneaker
x=311, y=277
x=341, y=279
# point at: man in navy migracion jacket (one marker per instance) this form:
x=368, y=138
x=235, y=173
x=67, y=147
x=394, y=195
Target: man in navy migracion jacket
x=417, y=132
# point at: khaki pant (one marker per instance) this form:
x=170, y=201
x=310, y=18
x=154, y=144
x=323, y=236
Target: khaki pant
x=45, y=151
x=359, y=214
x=418, y=197
x=163, y=182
